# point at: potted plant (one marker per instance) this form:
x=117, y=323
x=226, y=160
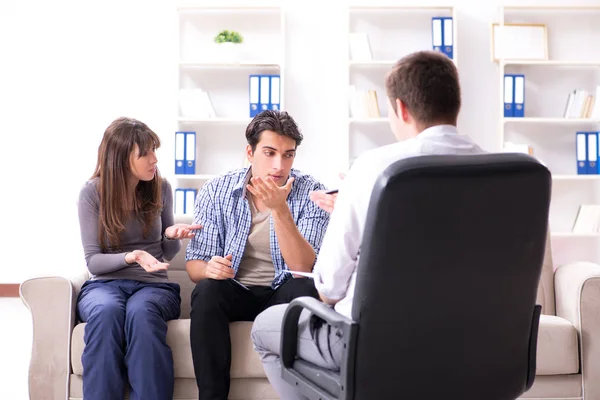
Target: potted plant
x=226, y=36
x=228, y=45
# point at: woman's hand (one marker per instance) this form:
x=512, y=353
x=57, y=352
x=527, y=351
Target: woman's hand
x=181, y=231
x=146, y=261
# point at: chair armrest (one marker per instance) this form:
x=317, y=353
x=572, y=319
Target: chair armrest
x=289, y=328
x=289, y=346
x=577, y=288
x=51, y=301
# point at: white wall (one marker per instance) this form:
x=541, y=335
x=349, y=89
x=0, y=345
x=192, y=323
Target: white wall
x=68, y=68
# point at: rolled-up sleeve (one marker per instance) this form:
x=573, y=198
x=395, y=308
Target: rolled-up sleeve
x=208, y=241
x=170, y=248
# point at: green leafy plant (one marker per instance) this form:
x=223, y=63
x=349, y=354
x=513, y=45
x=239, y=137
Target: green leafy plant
x=226, y=36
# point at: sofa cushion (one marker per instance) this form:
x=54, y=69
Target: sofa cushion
x=557, y=349
x=245, y=362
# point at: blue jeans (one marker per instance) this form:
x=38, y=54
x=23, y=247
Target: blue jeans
x=125, y=338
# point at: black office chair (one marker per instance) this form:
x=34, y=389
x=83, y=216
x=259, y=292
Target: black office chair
x=445, y=299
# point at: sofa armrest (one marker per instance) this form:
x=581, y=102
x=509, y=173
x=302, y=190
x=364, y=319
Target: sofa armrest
x=577, y=288
x=51, y=301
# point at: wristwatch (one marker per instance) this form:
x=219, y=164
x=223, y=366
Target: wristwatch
x=165, y=237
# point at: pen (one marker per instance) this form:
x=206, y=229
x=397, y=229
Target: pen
x=240, y=284
x=332, y=191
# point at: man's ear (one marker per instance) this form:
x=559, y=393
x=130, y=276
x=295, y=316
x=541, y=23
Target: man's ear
x=402, y=110
x=249, y=153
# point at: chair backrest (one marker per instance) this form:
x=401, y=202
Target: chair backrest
x=177, y=272
x=448, y=275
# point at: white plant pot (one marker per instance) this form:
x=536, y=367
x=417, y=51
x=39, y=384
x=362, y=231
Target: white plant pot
x=229, y=52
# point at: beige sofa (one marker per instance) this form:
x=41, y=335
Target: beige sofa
x=55, y=369
x=568, y=361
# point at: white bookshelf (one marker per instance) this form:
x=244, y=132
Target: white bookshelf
x=393, y=32
x=544, y=127
x=203, y=64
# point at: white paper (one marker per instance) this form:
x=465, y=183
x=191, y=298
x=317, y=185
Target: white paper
x=313, y=275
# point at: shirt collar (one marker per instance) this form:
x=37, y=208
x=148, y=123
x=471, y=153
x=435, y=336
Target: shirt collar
x=438, y=130
x=244, y=179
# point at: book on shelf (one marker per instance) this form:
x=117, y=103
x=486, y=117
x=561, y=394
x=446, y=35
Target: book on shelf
x=360, y=47
x=583, y=104
x=587, y=219
x=364, y=103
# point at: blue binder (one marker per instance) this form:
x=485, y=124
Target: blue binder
x=581, y=153
x=275, y=86
x=598, y=153
x=254, y=94
x=519, y=95
x=448, y=37
x=179, y=152
x=185, y=200
x=179, y=203
x=190, y=153
x=509, y=96
x=190, y=201
x=592, y=153
x=437, y=35
x=265, y=93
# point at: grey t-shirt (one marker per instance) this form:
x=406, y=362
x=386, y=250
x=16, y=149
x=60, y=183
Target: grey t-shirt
x=111, y=264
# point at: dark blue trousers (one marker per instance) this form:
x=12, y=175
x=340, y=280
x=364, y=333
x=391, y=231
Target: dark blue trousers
x=125, y=338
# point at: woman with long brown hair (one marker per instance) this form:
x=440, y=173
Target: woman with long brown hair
x=128, y=235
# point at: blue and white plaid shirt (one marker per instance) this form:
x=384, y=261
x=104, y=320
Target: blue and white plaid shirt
x=223, y=211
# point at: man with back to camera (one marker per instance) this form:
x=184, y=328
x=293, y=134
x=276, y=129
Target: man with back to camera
x=423, y=94
x=258, y=223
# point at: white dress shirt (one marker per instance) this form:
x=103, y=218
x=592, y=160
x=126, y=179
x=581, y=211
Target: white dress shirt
x=338, y=258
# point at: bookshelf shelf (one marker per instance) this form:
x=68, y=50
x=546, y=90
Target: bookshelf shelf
x=562, y=121
x=550, y=8
x=194, y=9
x=241, y=64
x=573, y=235
x=215, y=120
x=576, y=177
x=555, y=63
x=381, y=120
x=197, y=177
x=372, y=64
x=384, y=8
